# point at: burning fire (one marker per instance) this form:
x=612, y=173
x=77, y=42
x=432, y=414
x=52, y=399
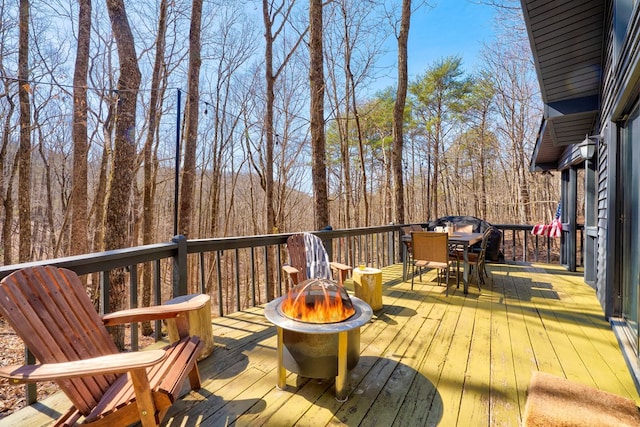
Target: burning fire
x=316, y=306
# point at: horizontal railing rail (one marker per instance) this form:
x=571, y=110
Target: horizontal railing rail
x=235, y=271
x=518, y=244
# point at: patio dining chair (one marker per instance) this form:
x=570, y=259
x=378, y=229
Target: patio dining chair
x=431, y=250
x=477, y=259
x=308, y=259
x=406, y=231
x=463, y=228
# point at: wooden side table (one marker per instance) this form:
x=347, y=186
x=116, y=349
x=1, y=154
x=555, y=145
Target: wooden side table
x=367, y=285
x=199, y=322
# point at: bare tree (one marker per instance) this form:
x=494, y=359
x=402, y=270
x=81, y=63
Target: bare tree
x=276, y=16
x=150, y=162
x=316, y=82
x=79, y=196
x=8, y=169
x=116, y=235
x=24, y=151
x=511, y=70
x=482, y=142
x=233, y=49
x=8, y=157
x=352, y=42
x=398, y=112
x=187, y=191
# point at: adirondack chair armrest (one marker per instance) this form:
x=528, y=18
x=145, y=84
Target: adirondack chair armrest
x=109, y=364
x=340, y=266
x=176, y=307
x=341, y=269
x=292, y=272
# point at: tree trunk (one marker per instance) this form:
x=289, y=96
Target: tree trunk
x=24, y=168
x=398, y=112
x=268, y=129
x=79, y=198
x=187, y=191
x=6, y=184
x=116, y=235
x=270, y=80
x=316, y=82
x=482, y=161
x=149, y=162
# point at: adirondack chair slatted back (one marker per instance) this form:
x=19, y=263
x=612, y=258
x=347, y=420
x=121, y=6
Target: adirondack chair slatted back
x=298, y=255
x=310, y=256
x=49, y=308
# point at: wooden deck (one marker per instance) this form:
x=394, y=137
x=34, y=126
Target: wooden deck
x=426, y=359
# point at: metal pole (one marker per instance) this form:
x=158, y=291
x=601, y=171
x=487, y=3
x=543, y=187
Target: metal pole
x=341, y=379
x=281, y=371
x=177, y=168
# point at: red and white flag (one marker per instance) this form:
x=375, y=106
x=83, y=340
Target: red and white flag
x=552, y=230
x=555, y=230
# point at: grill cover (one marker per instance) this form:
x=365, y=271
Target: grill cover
x=317, y=301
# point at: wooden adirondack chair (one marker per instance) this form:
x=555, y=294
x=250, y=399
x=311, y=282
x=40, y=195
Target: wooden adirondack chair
x=50, y=310
x=303, y=254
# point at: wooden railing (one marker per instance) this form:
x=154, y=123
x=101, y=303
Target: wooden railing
x=518, y=244
x=250, y=264
x=235, y=271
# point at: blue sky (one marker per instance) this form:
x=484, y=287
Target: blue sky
x=450, y=27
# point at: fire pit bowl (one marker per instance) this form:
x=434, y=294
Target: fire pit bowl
x=318, y=350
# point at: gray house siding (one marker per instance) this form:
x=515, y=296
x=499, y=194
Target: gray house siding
x=620, y=91
x=603, y=284
x=601, y=267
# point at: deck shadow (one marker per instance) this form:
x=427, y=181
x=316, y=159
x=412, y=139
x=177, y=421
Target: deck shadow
x=381, y=392
x=205, y=408
x=230, y=354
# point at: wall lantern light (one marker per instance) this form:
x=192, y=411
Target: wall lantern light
x=588, y=146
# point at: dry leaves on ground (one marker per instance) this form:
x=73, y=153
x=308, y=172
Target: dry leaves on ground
x=12, y=397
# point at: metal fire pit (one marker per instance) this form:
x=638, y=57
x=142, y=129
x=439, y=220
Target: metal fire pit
x=318, y=350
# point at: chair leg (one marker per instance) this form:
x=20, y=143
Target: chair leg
x=478, y=274
x=457, y=274
x=413, y=274
x=484, y=269
x=446, y=282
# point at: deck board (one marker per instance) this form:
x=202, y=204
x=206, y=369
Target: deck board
x=426, y=359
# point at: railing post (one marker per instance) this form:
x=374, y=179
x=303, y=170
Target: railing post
x=105, y=287
x=133, y=303
x=157, y=299
x=31, y=390
x=180, y=267
x=219, y=273
x=327, y=242
x=390, y=252
x=237, y=278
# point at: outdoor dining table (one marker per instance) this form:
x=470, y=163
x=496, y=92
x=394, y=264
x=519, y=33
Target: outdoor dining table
x=464, y=240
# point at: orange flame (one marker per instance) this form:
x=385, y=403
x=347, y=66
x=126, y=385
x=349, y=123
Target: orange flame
x=325, y=308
